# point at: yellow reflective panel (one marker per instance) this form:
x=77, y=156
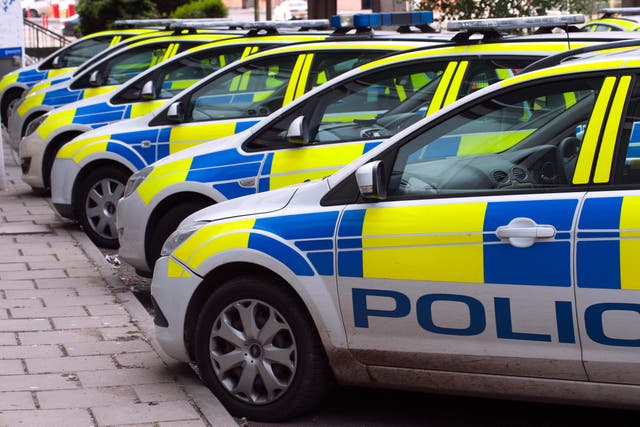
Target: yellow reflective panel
x=185, y=136
x=487, y=143
x=87, y=150
x=29, y=103
x=95, y=91
x=302, y=77
x=293, y=81
x=175, y=270
x=70, y=149
x=438, y=96
x=564, y=69
x=452, y=95
x=115, y=40
x=141, y=108
x=54, y=121
x=162, y=177
x=607, y=147
x=441, y=243
x=588, y=147
x=629, y=242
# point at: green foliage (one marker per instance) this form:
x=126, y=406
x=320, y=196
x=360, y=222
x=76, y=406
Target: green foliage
x=98, y=15
x=165, y=7
x=201, y=9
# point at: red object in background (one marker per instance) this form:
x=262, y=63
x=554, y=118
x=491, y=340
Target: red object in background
x=45, y=21
x=55, y=10
x=72, y=9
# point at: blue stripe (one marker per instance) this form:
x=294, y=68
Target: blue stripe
x=349, y=243
x=136, y=137
x=544, y=264
x=61, y=96
x=56, y=81
x=635, y=132
x=263, y=185
x=598, y=264
x=558, y=213
x=127, y=112
x=598, y=235
x=162, y=150
x=351, y=223
x=32, y=76
x=601, y=213
x=125, y=152
x=103, y=118
x=241, y=126
x=350, y=264
x=148, y=153
x=301, y=226
x=225, y=173
x=268, y=163
x=315, y=245
x=232, y=190
x=370, y=145
x=164, y=135
x=223, y=158
x=323, y=262
x=292, y=259
x=101, y=107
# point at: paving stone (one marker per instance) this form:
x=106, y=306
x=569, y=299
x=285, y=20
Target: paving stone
x=148, y=360
x=47, y=418
x=69, y=364
x=60, y=337
x=78, y=301
x=29, y=351
x=125, y=376
x=15, y=400
x=4, y=314
x=7, y=338
x=107, y=347
x=40, y=293
x=106, y=310
x=23, y=228
x=113, y=334
x=68, y=282
x=127, y=414
x=20, y=303
x=159, y=392
x=18, y=325
x=17, y=284
x=83, y=272
x=30, y=258
x=11, y=367
x=90, y=322
x=20, y=313
x=193, y=423
x=32, y=274
x=33, y=382
x=9, y=252
x=13, y=266
x=86, y=398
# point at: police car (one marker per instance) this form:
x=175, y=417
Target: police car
x=104, y=76
x=135, y=98
x=615, y=19
x=313, y=137
x=65, y=59
x=490, y=249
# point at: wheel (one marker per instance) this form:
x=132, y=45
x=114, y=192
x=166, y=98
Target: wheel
x=168, y=223
x=98, y=196
x=258, y=351
x=34, y=13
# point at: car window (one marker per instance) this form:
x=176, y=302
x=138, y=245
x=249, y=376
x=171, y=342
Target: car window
x=629, y=169
x=327, y=65
x=177, y=75
x=526, y=139
x=79, y=53
x=253, y=89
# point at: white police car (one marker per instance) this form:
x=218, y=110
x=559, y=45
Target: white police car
x=490, y=249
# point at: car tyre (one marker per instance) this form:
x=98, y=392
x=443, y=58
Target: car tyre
x=258, y=351
x=98, y=196
x=168, y=223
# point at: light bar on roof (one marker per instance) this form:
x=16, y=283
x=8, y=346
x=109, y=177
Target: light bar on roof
x=249, y=25
x=620, y=10
x=515, y=23
x=144, y=22
x=364, y=20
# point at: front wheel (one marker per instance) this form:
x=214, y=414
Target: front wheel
x=96, y=203
x=258, y=351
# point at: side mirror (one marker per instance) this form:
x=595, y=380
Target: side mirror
x=56, y=62
x=148, y=91
x=94, y=79
x=297, y=133
x=369, y=178
x=175, y=113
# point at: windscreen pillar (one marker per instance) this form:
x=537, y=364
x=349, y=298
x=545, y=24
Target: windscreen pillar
x=322, y=9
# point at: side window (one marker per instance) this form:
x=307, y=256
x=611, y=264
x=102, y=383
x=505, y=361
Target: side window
x=254, y=89
x=483, y=73
x=175, y=76
x=327, y=65
x=628, y=171
x=80, y=52
x=529, y=138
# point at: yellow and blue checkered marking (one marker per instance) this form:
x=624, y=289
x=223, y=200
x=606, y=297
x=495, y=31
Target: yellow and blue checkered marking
x=458, y=244
x=608, y=244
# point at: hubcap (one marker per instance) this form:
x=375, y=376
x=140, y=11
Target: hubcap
x=101, y=207
x=253, y=351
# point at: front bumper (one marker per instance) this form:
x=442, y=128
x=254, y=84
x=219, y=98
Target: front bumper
x=31, y=152
x=172, y=293
x=63, y=177
x=132, y=217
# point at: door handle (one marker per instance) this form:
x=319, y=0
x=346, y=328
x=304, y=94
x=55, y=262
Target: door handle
x=524, y=232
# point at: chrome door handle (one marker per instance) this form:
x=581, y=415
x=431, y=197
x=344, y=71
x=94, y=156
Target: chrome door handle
x=524, y=232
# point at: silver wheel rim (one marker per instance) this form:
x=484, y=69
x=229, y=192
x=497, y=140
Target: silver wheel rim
x=100, y=207
x=253, y=351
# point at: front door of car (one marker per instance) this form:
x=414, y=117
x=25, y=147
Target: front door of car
x=466, y=264
x=608, y=248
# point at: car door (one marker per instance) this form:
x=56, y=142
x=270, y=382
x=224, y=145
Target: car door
x=607, y=247
x=467, y=264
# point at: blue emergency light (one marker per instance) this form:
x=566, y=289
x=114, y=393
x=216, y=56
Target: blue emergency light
x=368, y=20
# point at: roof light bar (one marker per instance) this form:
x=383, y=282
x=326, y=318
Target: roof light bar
x=249, y=25
x=144, y=22
x=608, y=11
x=515, y=23
x=364, y=20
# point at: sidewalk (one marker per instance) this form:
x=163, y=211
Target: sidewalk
x=76, y=347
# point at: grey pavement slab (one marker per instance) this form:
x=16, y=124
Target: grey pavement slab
x=76, y=347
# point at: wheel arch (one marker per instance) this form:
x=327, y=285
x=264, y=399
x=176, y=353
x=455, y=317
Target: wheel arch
x=9, y=94
x=52, y=149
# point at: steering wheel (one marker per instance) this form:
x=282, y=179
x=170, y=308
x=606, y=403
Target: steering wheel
x=566, y=157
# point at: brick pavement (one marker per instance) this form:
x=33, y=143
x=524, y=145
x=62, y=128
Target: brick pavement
x=76, y=346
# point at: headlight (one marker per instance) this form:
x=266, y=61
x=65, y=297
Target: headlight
x=136, y=179
x=33, y=124
x=179, y=236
